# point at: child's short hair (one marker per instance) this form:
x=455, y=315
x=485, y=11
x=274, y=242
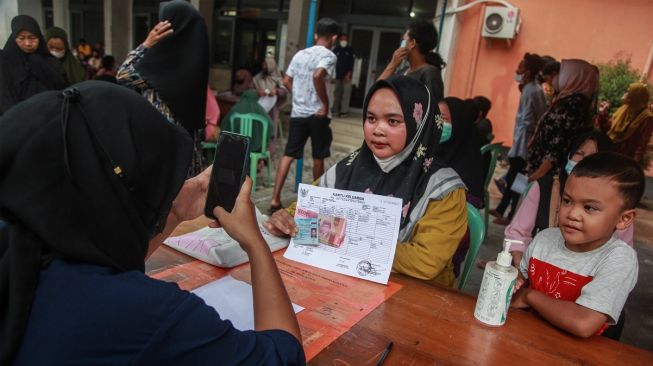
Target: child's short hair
x=482, y=104
x=622, y=170
x=327, y=27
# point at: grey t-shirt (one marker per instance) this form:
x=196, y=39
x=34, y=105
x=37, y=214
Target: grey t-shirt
x=431, y=76
x=600, y=279
x=532, y=105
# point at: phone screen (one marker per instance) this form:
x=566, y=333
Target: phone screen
x=231, y=156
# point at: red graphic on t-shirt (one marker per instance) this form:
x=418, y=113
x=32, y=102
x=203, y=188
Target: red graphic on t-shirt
x=555, y=282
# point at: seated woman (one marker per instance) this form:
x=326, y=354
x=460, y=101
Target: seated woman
x=402, y=128
x=108, y=175
x=539, y=208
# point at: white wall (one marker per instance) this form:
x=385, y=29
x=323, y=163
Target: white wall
x=8, y=10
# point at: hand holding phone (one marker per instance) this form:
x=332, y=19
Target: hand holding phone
x=229, y=170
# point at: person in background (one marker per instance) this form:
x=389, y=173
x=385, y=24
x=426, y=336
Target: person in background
x=242, y=81
x=269, y=84
x=482, y=105
x=84, y=49
x=99, y=48
x=73, y=287
x=57, y=41
x=162, y=72
x=94, y=61
x=570, y=115
x=424, y=64
x=211, y=130
x=459, y=149
x=580, y=274
x=306, y=77
x=550, y=70
x=532, y=104
x=107, y=71
x=344, y=69
x=402, y=127
x=26, y=66
x=631, y=126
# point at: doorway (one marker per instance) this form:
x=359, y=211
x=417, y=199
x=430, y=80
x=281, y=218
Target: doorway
x=374, y=46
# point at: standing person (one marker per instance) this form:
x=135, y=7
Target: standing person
x=344, y=68
x=26, y=66
x=110, y=188
x=425, y=65
x=57, y=41
x=631, y=125
x=569, y=116
x=306, y=77
x=84, y=49
x=532, y=104
x=162, y=71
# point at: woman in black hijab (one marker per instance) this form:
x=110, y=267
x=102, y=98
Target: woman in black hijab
x=87, y=188
x=171, y=69
x=26, y=66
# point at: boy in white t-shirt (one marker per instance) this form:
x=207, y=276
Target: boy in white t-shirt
x=579, y=274
x=306, y=77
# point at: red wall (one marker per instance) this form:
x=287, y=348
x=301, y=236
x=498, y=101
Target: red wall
x=594, y=30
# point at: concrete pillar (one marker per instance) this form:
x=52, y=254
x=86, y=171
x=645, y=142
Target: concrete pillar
x=205, y=8
x=118, y=21
x=297, y=23
x=61, y=13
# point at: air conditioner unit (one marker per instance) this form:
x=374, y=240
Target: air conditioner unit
x=501, y=22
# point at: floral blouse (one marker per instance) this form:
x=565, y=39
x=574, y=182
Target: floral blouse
x=567, y=119
x=128, y=76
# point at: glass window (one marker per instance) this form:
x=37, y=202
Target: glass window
x=222, y=39
x=382, y=7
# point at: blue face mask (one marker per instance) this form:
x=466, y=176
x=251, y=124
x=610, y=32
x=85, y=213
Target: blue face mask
x=446, y=132
x=570, y=166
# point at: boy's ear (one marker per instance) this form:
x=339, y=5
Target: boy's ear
x=626, y=219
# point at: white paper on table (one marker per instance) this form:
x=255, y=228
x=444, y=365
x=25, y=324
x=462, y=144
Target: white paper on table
x=371, y=232
x=233, y=300
x=520, y=183
x=216, y=247
x=267, y=102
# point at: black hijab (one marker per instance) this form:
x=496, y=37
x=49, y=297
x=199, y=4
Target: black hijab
x=90, y=177
x=25, y=74
x=178, y=66
x=462, y=152
x=408, y=175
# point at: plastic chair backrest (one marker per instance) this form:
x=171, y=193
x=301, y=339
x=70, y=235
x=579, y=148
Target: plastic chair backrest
x=246, y=127
x=476, y=237
x=494, y=149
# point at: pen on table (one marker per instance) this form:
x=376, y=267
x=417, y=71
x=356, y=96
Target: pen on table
x=384, y=354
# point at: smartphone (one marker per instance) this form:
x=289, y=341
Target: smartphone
x=229, y=169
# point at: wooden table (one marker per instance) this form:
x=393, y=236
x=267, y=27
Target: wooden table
x=432, y=325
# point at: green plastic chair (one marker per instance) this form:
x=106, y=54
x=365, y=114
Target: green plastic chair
x=208, y=149
x=476, y=237
x=245, y=126
x=494, y=149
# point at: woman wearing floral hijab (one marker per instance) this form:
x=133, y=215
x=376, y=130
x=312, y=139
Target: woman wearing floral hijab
x=569, y=116
x=402, y=127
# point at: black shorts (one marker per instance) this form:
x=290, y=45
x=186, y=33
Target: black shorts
x=301, y=128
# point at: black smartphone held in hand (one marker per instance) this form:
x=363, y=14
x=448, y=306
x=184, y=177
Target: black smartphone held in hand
x=229, y=169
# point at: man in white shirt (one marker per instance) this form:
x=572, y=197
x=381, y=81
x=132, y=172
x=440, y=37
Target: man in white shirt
x=306, y=77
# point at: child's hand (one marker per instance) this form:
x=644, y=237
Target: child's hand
x=519, y=299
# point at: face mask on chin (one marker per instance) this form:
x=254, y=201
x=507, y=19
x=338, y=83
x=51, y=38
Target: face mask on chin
x=519, y=78
x=59, y=54
x=446, y=132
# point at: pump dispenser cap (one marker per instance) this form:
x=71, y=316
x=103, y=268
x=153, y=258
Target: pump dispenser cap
x=505, y=258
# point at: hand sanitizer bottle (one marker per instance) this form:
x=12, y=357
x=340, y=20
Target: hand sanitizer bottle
x=497, y=288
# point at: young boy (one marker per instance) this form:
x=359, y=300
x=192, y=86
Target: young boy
x=580, y=275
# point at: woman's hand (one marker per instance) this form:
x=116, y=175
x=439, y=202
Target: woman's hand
x=241, y=222
x=191, y=199
x=604, y=107
x=281, y=224
x=399, y=55
x=160, y=31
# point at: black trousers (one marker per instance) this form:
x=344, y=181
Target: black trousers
x=511, y=198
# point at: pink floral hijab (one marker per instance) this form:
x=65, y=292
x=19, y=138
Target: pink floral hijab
x=415, y=175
